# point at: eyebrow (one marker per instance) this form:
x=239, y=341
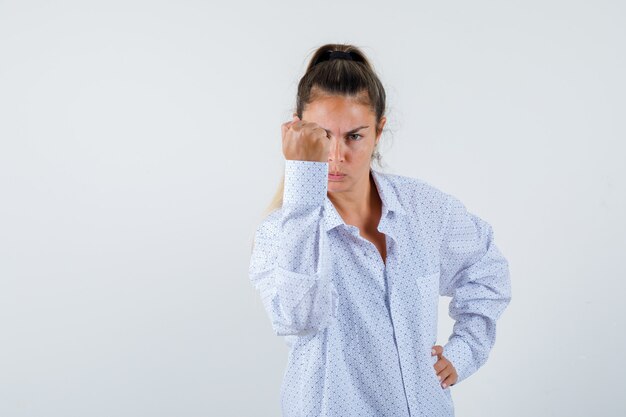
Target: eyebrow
x=350, y=131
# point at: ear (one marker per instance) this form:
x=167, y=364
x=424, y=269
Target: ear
x=381, y=124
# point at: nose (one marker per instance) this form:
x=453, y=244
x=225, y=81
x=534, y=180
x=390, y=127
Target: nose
x=336, y=151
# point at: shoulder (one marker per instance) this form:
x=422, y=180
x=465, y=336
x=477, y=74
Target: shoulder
x=432, y=206
x=418, y=196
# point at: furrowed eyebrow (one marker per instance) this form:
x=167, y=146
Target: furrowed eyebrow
x=351, y=131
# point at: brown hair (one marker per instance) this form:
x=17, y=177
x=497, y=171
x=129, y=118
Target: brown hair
x=354, y=78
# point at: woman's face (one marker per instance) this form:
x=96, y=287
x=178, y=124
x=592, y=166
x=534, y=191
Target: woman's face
x=351, y=128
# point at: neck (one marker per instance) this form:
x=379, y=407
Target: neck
x=359, y=203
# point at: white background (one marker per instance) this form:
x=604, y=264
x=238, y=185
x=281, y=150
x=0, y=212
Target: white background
x=140, y=143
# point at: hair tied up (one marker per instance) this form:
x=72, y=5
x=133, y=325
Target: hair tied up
x=330, y=55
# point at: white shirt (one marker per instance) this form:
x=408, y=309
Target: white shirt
x=360, y=331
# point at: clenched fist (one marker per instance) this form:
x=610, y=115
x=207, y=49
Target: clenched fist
x=305, y=141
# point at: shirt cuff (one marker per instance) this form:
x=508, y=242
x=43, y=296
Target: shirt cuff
x=306, y=182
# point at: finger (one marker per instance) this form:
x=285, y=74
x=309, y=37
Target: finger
x=447, y=381
x=297, y=124
x=438, y=350
x=440, y=366
x=284, y=127
x=321, y=132
x=453, y=371
x=444, y=376
x=453, y=378
x=293, y=120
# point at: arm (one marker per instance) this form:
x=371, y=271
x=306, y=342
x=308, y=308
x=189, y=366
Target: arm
x=476, y=275
x=285, y=265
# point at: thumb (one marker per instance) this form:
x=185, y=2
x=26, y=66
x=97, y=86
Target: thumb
x=437, y=350
x=284, y=127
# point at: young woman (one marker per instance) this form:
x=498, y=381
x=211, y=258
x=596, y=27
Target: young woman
x=350, y=262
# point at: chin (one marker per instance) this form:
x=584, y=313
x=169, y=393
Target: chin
x=334, y=186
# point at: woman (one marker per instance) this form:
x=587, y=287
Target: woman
x=350, y=262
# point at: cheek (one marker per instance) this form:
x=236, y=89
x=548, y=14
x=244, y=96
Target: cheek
x=362, y=147
x=359, y=152
x=361, y=160
x=366, y=150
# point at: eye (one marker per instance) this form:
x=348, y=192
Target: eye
x=355, y=134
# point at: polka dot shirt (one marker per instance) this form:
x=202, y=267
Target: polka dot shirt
x=360, y=330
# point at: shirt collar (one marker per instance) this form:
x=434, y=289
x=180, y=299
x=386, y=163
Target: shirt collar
x=387, y=194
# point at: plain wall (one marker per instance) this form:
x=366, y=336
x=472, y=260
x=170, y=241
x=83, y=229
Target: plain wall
x=140, y=143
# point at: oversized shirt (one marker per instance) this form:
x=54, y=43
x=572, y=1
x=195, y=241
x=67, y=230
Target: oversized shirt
x=359, y=330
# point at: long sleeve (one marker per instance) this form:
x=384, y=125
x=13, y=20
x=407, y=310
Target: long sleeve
x=476, y=275
x=287, y=258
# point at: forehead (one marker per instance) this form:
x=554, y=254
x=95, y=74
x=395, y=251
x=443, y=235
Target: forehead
x=334, y=109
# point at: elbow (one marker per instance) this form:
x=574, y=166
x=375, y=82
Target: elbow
x=281, y=329
x=314, y=325
x=315, y=311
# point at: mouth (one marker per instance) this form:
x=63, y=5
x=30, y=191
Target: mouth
x=335, y=175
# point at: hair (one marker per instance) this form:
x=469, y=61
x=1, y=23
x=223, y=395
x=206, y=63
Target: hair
x=354, y=78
